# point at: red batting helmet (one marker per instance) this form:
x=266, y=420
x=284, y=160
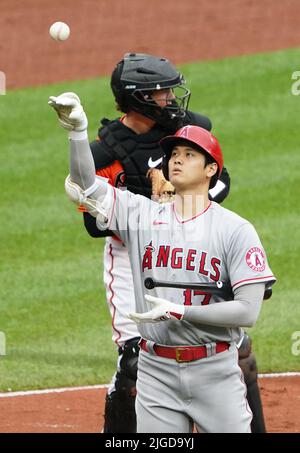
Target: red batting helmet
x=198, y=138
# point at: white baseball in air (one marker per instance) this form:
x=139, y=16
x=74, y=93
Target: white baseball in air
x=59, y=31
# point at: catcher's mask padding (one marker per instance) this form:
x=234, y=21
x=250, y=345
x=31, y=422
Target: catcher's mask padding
x=201, y=140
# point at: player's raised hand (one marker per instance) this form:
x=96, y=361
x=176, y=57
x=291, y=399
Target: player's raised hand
x=71, y=115
x=162, y=311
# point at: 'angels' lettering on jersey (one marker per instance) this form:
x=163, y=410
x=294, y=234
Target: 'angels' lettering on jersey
x=213, y=246
x=178, y=258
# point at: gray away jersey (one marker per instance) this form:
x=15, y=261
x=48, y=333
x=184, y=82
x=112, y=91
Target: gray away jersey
x=216, y=245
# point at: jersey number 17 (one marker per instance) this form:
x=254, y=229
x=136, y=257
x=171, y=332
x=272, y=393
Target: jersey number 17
x=188, y=293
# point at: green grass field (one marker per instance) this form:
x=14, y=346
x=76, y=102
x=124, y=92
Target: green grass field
x=52, y=304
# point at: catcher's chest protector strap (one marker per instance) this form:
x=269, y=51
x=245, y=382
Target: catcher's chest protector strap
x=133, y=152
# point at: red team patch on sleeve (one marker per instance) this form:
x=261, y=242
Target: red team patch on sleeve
x=255, y=258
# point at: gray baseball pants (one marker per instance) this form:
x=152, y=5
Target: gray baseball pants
x=208, y=392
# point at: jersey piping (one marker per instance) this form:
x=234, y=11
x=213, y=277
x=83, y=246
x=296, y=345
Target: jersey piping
x=192, y=218
x=249, y=280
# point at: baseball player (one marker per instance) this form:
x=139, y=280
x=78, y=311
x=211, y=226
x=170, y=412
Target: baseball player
x=127, y=152
x=188, y=366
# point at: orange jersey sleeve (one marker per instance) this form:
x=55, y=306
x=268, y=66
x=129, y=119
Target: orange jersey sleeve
x=114, y=173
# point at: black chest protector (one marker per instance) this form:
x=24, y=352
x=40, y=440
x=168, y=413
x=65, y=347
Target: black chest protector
x=135, y=152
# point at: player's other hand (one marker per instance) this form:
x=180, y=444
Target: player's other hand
x=162, y=311
x=71, y=115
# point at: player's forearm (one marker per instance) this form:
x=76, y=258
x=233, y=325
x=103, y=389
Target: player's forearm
x=82, y=167
x=81, y=185
x=243, y=311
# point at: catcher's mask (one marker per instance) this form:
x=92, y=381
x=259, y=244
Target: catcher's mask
x=201, y=140
x=134, y=79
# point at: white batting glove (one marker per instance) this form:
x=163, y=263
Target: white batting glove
x=71, y=115
x=162, y=311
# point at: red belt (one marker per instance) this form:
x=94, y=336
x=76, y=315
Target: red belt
x=184, y=353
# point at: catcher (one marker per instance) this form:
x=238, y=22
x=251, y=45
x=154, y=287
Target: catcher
x=151, y=94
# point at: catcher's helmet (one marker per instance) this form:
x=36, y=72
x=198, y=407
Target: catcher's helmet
x=198, y=138
x=137, y=75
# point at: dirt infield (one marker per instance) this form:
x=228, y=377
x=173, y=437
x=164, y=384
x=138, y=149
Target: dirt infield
x=81, y=411
x=103, y=30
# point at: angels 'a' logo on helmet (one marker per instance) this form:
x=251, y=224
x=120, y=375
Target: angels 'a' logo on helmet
x=256, y=260
x=184, y=132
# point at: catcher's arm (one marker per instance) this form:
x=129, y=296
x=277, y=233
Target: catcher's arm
x=162, y=190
